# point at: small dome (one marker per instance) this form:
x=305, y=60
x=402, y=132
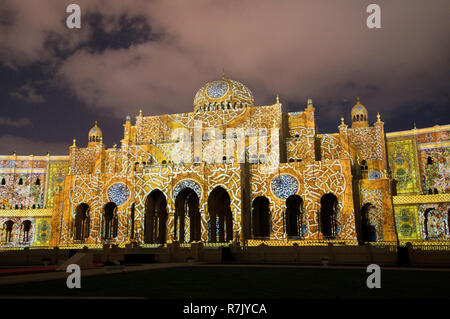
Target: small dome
x=359, y=112
x=224, y=93
x=95, y=133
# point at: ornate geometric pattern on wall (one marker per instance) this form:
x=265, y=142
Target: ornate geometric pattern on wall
x=437, y=221
x=23, y=195
x=17, y=233
x=43, y=231
x=435, y=169
x=375, y=215
x=330, y=147
x=57, y=172
x=187, y=184
x=367, y=141
x=406, y=218
x=118, y=193
x=283, y=186
x=402, y=161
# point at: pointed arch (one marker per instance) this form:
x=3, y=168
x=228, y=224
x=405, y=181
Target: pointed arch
x=187, y=213
x=26, y=227
x=294, y=216
x=261, y=217
x=81, y=222
x=8, y=229
x=155, y=218
x=220, y=215
x=110, y=223
x=329, y=207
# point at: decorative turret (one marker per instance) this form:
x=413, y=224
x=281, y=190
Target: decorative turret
x=359, y=115
x=95, y=134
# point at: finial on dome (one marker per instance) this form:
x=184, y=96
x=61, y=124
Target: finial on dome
x=342, y=120
x=223, y=74
x=378, y=117
x=309, y=101
x=140, y=112
x=415, y=125
x=74, y=143
x=278, y=99
x=357, y=100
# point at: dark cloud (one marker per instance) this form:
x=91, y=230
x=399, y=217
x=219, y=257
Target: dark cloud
x=22, y=122
x=155, y=55
x=28, y=94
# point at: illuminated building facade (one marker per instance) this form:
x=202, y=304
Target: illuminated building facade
x=231, y=170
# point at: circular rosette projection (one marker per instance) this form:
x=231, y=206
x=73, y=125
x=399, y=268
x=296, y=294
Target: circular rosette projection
x=284, y=186
x=217, y=89
x=118, y=193
x=187, y=184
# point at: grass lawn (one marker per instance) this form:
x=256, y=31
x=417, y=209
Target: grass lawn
x=205, y=282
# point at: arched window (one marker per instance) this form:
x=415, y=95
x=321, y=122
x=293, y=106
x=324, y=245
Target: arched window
x=26, y=227
x=3, y=181
x=155, y=217
x=110, y=221
x=187, y=223
x=294, y=216
x=261, y=217
x=329, y=215
x=21, y=181
x=82, y=222
x=38, y=181
x=220, y=216
x=8, y=229
x=429, y=160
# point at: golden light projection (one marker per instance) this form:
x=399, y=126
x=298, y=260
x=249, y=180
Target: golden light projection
x=280, y=182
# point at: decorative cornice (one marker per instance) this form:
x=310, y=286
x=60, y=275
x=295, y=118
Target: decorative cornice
x=421, y=199
x=424, y=146
x=44, y=212
x=436, y=128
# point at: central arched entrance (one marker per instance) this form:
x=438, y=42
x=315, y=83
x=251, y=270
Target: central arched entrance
x=110, y=221
x=187, y=214
x=294, y=216
x=220, y=216
x=82, y=221
x=261, y=217
x=155, y=218
x=329, y=208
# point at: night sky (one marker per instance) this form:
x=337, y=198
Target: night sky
x=154, y=55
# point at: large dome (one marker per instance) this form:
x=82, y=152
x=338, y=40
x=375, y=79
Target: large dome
x=223, y=94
